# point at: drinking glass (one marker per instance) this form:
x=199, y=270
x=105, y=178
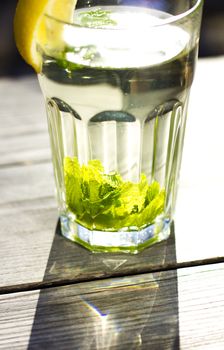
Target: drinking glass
x=116, y=81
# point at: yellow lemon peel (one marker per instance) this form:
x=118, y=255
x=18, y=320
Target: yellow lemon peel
x=29, y=25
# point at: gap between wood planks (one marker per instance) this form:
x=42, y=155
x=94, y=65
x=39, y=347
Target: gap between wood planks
x=27, y=287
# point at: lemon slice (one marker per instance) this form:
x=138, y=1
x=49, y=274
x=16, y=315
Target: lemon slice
x=29, y=25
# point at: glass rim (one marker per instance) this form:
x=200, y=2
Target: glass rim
x=173, y=19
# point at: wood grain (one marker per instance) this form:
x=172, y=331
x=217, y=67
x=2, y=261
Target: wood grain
x=23, y=132
x=24, y=184
x=32, y=251
x=138, y=312
x=201, y=307
x=31, y=260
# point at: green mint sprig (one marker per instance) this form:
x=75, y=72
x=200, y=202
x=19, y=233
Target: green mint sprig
x=106, y=202
x=96, y=19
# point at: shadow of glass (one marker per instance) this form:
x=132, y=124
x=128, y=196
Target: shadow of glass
x=70, y=262
x=137, y=311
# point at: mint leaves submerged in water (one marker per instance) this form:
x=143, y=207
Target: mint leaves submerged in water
x=106, y=202
x=96, y=19
x=75, y=58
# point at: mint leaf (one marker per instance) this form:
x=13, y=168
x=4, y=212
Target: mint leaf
x=153, y=209
x=132, y=198
x=73, y=190
x=147, y=216
x=106, y=202
x=96, y=192
x=68, y=65
x=152, y=192
x=96, y=19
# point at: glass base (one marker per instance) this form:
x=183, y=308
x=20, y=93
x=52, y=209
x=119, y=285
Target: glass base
x=120, y=241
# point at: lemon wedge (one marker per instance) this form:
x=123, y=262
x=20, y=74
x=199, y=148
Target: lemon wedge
x=29, y=25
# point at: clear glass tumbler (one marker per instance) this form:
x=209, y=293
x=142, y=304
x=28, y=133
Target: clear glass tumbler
x=116, y=83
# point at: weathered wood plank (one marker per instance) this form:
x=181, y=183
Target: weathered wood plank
x=201, y=307
x=22, y=105
x=25, y=240
x=23, y=131
x=33, y=253
x=138, y=312
x=24, y=184
x=25, y=149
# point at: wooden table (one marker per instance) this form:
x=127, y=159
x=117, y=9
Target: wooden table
x=57, y=295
